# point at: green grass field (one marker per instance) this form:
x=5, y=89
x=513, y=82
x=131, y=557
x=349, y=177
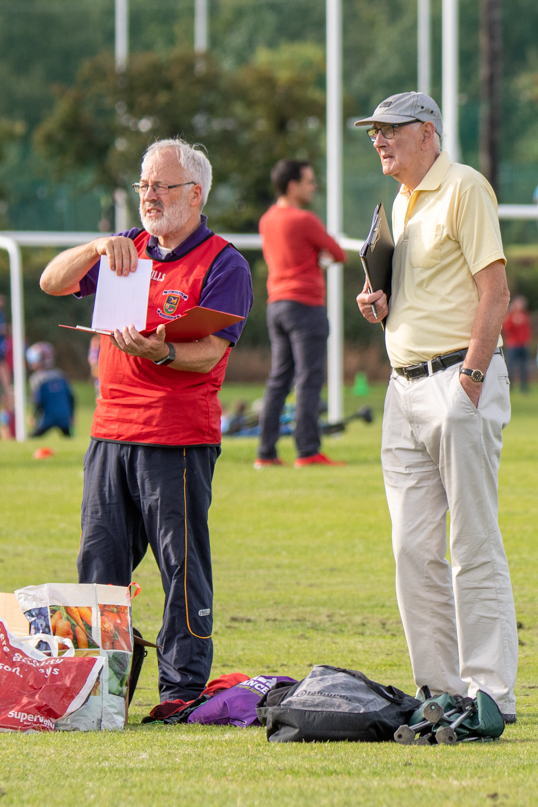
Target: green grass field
x=303, y=575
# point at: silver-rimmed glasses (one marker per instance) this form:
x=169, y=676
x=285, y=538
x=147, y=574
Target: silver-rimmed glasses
x=157, y=187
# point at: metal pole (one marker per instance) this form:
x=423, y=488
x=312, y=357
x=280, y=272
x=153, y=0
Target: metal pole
x=122, y=35
x=120, y=211
x=121, y=57
x=424, y=46
x=335, y=362
x=450, y=79
x=17, y=326
x=201, y=26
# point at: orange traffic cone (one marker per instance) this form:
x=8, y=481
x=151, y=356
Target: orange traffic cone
x=43, y=453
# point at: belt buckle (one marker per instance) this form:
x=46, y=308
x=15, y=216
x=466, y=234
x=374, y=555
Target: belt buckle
x=408, y=371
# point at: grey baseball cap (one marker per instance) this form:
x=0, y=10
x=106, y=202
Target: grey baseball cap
x=406, y=107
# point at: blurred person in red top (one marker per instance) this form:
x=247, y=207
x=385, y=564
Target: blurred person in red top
x=296, y=247
x=517, y=334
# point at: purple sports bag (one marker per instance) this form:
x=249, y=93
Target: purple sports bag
x=237, y=706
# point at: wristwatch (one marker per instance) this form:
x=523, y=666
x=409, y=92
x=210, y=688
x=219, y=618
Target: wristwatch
x=167, y=359
x=475, y=375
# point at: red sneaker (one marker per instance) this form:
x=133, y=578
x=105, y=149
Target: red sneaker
x=260, y=463
x=316, y=459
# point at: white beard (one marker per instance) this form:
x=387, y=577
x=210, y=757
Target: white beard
x=172, y=219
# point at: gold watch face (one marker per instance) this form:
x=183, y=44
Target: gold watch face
x=477, y=375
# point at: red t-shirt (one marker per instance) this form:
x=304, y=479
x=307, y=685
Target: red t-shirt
x=292, y=240
x=517, y=329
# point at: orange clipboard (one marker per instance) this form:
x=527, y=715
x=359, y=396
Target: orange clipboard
x=194, y=324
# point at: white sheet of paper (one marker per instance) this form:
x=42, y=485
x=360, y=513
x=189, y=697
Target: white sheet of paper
x=121, y=301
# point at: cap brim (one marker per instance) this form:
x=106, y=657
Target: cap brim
x=381, y=118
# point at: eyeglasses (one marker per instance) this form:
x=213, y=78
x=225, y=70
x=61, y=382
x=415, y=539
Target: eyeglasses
x=161, y=190
x=387, y=130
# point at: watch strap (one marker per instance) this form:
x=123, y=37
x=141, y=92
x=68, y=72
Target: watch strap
x=475, y=375
x=167, y=359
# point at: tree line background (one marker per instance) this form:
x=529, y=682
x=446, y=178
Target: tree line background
x=72, y=130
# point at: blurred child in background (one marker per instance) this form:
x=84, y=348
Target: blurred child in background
x=51, y=393
x=7, y=414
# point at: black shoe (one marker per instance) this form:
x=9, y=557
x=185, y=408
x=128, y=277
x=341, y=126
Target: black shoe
x=509, y=718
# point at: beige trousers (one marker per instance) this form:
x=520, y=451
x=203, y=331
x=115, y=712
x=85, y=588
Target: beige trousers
x=440, y=453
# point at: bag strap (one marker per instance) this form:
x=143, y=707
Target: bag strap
x=52, y=641
x=397, y=695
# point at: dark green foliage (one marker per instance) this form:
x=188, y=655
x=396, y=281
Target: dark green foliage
x=247, y=120
x=522, y=270
x=10, y=131
x=43, y=45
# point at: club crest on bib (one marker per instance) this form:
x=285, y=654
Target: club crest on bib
x=172, y=301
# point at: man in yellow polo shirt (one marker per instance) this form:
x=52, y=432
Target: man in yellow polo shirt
x=446, y=406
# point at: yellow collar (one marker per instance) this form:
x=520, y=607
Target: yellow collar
x=433, y=178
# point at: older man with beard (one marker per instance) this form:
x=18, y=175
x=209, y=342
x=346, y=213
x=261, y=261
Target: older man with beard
x=156, y=431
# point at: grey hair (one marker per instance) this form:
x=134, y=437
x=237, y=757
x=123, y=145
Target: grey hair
x=191, y=159
x=437, y=141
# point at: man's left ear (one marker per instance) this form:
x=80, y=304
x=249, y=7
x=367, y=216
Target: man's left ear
x=428, y=133
x=196, y=198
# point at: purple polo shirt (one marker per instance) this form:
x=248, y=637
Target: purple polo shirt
x=228, y=286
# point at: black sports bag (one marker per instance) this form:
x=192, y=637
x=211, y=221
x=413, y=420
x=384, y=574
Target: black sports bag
x=334, y=704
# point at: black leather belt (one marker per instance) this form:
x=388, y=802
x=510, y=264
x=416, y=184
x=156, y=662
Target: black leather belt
x=433, y=366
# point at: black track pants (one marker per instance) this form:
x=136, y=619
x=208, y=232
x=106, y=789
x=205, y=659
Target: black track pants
x=139, y=495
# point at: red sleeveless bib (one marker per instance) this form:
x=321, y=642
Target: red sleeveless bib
x=144, y=403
